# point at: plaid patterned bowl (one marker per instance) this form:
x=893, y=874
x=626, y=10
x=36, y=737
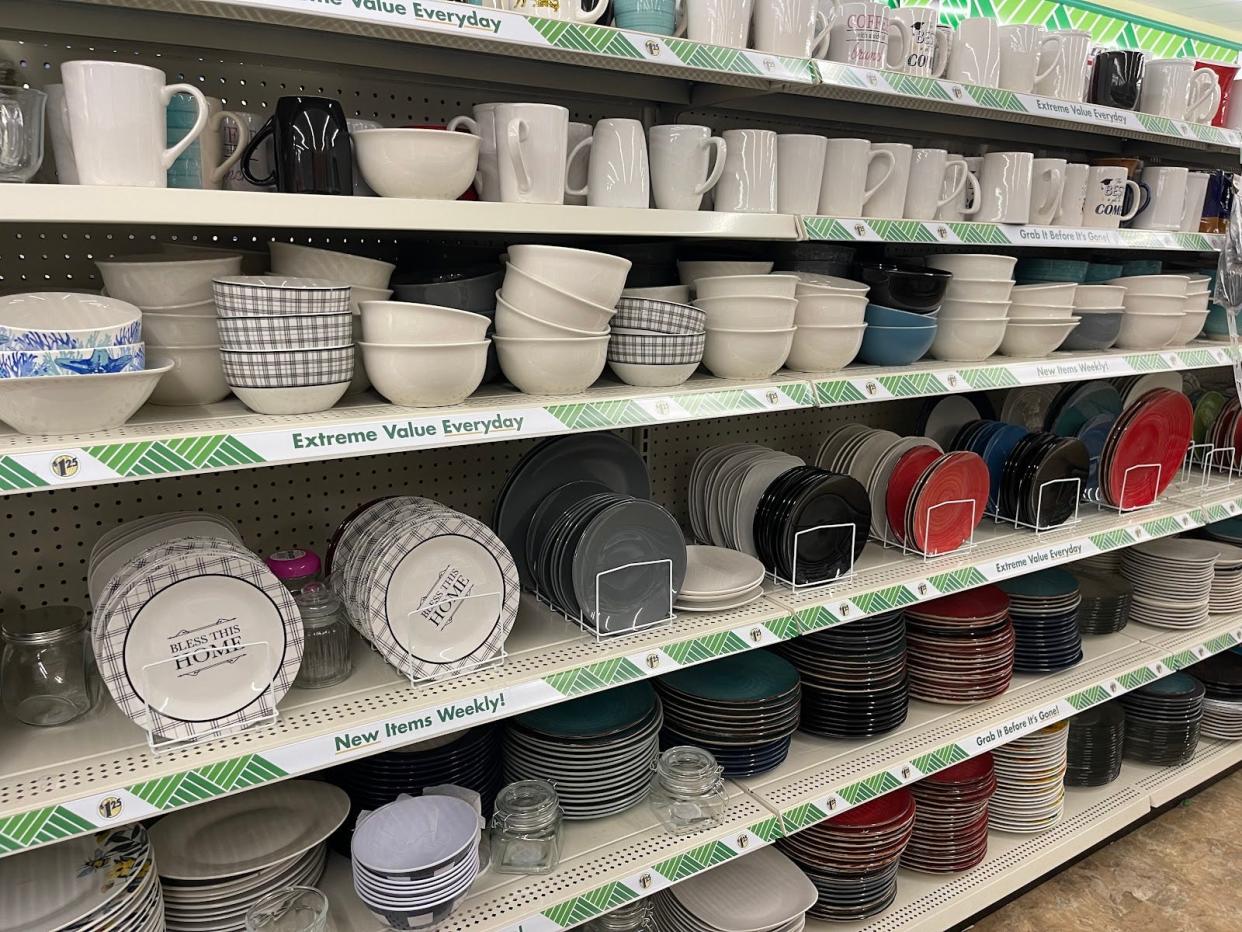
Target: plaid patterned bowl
x=657, y=349
x=288, y=368
x=660, y=316
x=300, y=332
x=278, y=296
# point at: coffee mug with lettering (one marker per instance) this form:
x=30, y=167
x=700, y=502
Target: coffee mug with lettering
x=861, y=34
x=1066, y=79
x=1073, y=197
x=929, y=49
x=1136, y=200
x=796, y=28
x=1005, y=183
x=799, y=172
x=853, y=172
x=617, y=155
x=1196, y=196
x=719, y=22
x=1173, y=88
x=1023, y=48
x=530, y=145
x=889, y=201
x=1108, y=187
x=968, y=201
x=1117, y=78
x=975, y=57
x=572, y=11
x=936, y=178
x=682, y=170
x=1047, y=186
x=748, y=182
x=1168, y=198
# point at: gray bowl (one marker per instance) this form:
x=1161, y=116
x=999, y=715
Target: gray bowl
x=1096, y=332
x=477, y=294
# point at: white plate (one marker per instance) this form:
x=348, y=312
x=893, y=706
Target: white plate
x=738, y=602
x=715, y=572
x=760, y=891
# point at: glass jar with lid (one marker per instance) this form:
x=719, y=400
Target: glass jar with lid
x=47, y=673
x=291, y=909
x=526, y=828
x=326, y=630
x=296, y=568
x=632, y=917
x=688, y=791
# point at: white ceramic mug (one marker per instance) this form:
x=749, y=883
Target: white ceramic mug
x=1047, y=186
x=483, y=125
x=1005, y=182
x=1064, y=69
x=1106, y=197
x=1173, y=88
x=1196, y=195
x=569, y=10
x=530, y=152
x=1024, y=49
x=1073, y=196
x=718, y=22
x=576, y=173
x=936, y=178
x=790, y=27
x=928, y=55
x=799, y=172
x=748, y=182
x=682, y=170
x=861, y=35
x=617, y=175
x=967, y=203
x=118, y=125
x=1168, y=198
x=889, y=202
x=975, y=57
x=850, y=166
x=61, y=134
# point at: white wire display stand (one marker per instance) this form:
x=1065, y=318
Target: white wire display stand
x=1207, y=468
x=908, y=549
x=492, y=659
x=841, y=576
x=586, y=619
x=1037, y=525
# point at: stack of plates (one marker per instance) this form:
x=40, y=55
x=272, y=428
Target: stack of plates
x=1172, y=580
x=104, y=881
x=1105, y=606
x=195, y=637
x=1228, y=531
x=1096, y=740
x=1134, y=387
x=414, y=859
x=1077, y=404
x=935, y=501
x=811, y=525
x=1225, y=595
x=942, y=418
x=992, y=441
x=1043, y=607
x=434, y=591
x=718, y=580
x=1224, y=432
x=854, y=682
x=726, y=483
x=219, y=859
x=951, y=821
x=1030, y=781
x=960, y=649
x=762, y=892
x=1162, y=720
x=598, y=750
x=852, y=858
x=871, y=456
x=1042, y=478
x=1102, y=564
x=1145, y=448
x=1221, y=677
x=743, y=708
x=1029, y=405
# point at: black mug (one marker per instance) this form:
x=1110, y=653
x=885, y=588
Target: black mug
x=312, y=152
x=1117, y=79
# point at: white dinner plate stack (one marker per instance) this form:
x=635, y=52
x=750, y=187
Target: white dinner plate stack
x=195, y=637
x=221, y=858
x=433, y=590
x=726, y=484
x=1172, y=580
x=762, y=892
x=1225, y=595
x=719, y=579
x=1030, y=781
x=106, y=881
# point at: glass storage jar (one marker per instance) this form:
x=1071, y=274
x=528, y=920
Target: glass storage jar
x=688, y=790
x=47, y=674
x=632, y=917
x=326, y=629
x=291, y=909
x=526, y=828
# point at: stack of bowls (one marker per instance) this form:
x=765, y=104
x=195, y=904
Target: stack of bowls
x=178, y=319
x=814, y=258
x=829, y=323
x=896, y=337
x=907, y=288
x=423, y=355
x=975, y=311
x=1051, y=271
x=750, y=323
x=471, y=290
x=1196, y=308
x=656, y=343
x=691, y=270
x=1155, y=306
x=1099, y=309
x=1041, y=316
x=367, y=279
x=286, y=343
x=552, y=316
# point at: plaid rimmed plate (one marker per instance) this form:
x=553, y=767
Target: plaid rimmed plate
x=663, y=349
x=275, y=295
x=298, y=332
x=660, y=316
x=288, y=368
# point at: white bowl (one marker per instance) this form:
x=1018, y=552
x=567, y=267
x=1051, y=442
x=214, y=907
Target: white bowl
x=196, y=309
x=430, y=164
x=1039, y=311
x=1190, y=327
x=1103, y=296
x=678, y=294
x=402, y=322
x=554, y=366
x=978, y=289
x=75, y=404
x=1139, y=303
x=1198, y=301
x=1198, y=283
x=593, y=276
x=975, y=265
x=968, y=340
x=1056, y=294
x=646, y=376
x=1034, y=338
x=815, y=283
x=824, y=348
x=66, y=320
x=179, y=329
x=196, y=376
x=1154, y=284
x=161, y=280
x=1149, y=331
x=748, y=312
x=425, y=375
x=523, y=290
x=746, y=354
x=360, y=293
x=973, y=310
x=828, y=309
x=727, y=286
x=309, y=262
x=306, y=399
x=512, y=322
x=692, y=270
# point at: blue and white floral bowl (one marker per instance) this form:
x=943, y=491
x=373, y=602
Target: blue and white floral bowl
x=98, y=360
x=66, y=320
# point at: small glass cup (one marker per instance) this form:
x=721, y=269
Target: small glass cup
x=688, y=792
x=21, y=132
x=292, y=909
x=47, y=674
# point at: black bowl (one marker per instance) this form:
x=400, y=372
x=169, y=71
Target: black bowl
x=906, y=288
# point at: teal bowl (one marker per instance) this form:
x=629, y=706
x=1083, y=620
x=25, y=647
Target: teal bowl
x=896, y=346
x=1142, y=267
x=1099, y=272
x=1051, y=270
x=878, y=315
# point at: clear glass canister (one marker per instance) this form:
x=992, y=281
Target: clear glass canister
x=47, y=674
x=632, y=917
x=526, y=828
x=325, y=625
x=291, y=909
x=688, y=791
x=295, y=568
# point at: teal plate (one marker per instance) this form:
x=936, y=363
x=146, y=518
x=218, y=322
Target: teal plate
x=595, y=715
x=746, y=677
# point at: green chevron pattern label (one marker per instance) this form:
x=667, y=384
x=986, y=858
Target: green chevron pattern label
x=870, y=788
x=940, y=758
x=884, y=600
x=1181, y=660
x=589, y=905
x=599, y=415
x=1157, y=124
x=695, y=861
x=1112, y=540
x=1147, y=362
x=989, y=377
x=902, y=231
x=594, y=676
x=827, y=228
x=912, y=86
x=980, y=234
x=784, y=628
x=1162, y=527
x=831, y=72
x=1088, y=697
x=769, y=829
x=1133, y=679
x=39, y=827
x=816, y=619
x=1211, y=513
x=708, y=404
x=913, y=385
x=183, y=454
x=957, y=580
x=586, y=38
x=14, y=476
x=1197, y=357
x=711, y=57
x=837, y=392
x=995, y=98
x=697, y=650
x=800, y=393
x=799, y=817
x=1221, y=642
x=207, y=782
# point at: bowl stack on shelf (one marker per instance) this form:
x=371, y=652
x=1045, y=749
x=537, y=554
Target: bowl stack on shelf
x=1043, y=607
x=896, y=336
x=1096, y=741
x=552, y=316
x=472, y=289
x=1155, y=308
x=1105, y=606
x=829, y=323
x=726, y=485
x=1163, y=720
x=1221, y=676
x=719, y=579
x=1198, y=296
x=1099, y=309
x=951, y=818
x=750, y=323
x=656, y=343
x=960, y=648
x=975, y=312
x=1172, y=579
x=1041, y=317
x=1030, y=781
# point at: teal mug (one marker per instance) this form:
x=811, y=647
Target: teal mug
x=657, y=17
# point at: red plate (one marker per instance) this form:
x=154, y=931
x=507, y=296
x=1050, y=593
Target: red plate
x=889, y=808
x=984, y=603
x=1158, y=432
x=905, y=477
x=975, y=770
x=938, y=527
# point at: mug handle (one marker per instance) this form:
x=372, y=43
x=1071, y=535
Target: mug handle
x=819, y=44
x=243, y=137
x=960, y=184
x=255, y=141
x=1056, y=191
x=589, y=16
x=905, y=50
x=722, y=149
x=884, y=154
x=473, y=129
x=1207, y=78
x=1138, y=195
x=514, y=138
x=977, y=191
x=1056, y=56
x=940, y=52
x=583, y=146
x=171, y=154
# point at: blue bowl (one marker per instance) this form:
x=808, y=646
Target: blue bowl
x=878, y=315
x=1051, y=270
x=1142, y=267
x=1098, y=272
x=895, y=346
